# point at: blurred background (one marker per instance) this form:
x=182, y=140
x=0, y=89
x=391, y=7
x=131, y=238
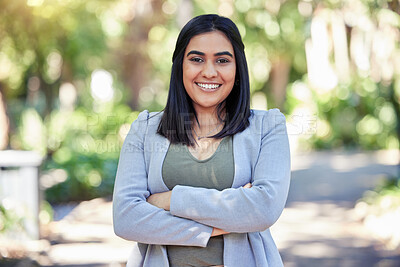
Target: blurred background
x=75, y=74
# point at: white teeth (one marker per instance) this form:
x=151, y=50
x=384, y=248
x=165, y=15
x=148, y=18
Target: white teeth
x=208, y=86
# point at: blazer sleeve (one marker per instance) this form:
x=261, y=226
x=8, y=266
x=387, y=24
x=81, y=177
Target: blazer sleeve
x=241, y=209
x=135, y=219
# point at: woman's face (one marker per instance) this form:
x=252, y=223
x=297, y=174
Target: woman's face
x=209, y=70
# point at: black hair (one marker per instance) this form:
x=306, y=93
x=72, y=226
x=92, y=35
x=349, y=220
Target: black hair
x=176, y=122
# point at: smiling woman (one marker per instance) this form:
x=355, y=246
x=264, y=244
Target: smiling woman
x=209, y=70
x=201, y=183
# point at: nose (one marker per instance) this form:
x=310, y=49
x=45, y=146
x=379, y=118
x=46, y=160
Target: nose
x=209, y=70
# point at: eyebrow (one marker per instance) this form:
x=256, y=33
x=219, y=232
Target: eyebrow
x=226, y=53
x=216, y=54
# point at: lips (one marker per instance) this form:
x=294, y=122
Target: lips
x=208, y=87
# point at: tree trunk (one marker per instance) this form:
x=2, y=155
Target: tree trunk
x=136, y=64
x=4, y=122
x=395, y=100
x=279, y=77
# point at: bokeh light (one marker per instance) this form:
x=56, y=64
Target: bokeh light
x=102, y=85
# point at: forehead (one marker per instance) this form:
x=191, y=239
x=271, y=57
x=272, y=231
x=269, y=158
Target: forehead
x=213, y=42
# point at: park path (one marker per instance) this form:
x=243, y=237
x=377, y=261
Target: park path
x=317, y=228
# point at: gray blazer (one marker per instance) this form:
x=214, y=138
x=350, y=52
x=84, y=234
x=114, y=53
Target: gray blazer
x=262, y=157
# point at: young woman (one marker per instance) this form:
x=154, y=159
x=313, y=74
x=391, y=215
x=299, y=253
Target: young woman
x=201, y=183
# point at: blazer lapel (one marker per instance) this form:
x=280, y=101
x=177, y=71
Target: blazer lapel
x=157, y=147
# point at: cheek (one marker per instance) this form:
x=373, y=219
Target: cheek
x=188, y=72
x=187, y=78
x=230, y=75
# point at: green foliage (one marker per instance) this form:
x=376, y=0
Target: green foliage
x=389, y=187
x=86, y=145
x=9, y=220
x=64, y=42
x=362, y=110
x=380, y=211
x=359, y=115
x=89, y=176
x=68, y=40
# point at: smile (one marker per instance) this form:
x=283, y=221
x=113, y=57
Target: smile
x=208, y=86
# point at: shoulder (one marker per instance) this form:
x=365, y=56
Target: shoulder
x=264, y=121
x=145, y=120
x=266, y=113
x=145, y=123
x=146, y=117
x=267, y=116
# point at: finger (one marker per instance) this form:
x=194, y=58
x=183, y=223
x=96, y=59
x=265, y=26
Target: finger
x=248, y=185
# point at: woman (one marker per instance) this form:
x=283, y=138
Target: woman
x=200, y=183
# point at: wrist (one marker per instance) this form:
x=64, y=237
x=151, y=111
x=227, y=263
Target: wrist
x=168, y=200
x=213, y=233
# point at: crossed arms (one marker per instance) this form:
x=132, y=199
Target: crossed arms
x=188, y=215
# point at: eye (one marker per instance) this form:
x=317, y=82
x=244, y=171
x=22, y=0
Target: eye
x=196, y=59
x=222, y=60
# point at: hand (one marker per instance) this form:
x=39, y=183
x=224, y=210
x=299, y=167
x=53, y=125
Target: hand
x=161, y=200
x=248, y=185
x=217, y=231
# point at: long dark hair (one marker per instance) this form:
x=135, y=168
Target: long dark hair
x=176, y=122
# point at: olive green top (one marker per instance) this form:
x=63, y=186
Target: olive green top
x=180, y=167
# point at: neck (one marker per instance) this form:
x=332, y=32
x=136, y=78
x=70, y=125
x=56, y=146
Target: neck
x=208, y=124
x=207, y=116
x=207, y=119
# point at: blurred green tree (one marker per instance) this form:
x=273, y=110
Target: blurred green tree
x=45, y=42
x=49, y=51
x=70, y=69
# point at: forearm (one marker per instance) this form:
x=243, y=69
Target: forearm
x=234, y=210
x=145, y=223
x=163, y=200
